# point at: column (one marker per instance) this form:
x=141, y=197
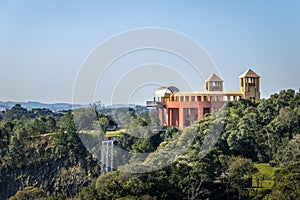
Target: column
x=170, y=117
x=161, y=116
x=200, y=111
x=181, y=118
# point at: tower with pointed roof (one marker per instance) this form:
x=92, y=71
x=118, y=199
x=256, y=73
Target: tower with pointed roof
x=214, y=83
x=250, y=85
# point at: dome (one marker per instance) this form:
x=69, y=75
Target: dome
x=160, y=92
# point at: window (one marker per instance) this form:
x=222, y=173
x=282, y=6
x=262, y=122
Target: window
x=206, y=111
x=187, y=98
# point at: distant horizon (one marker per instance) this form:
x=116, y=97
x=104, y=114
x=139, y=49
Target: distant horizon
x=38, y=102
x=144, y=104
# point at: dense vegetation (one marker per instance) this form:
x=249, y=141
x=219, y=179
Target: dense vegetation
x=244, y=151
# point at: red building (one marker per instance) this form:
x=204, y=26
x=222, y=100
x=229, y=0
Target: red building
x=181, y=109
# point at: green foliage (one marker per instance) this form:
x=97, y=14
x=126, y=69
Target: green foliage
x=17, y=112
x=242, y=124
x=171, y=133
x=87, y=194
x=115, y=185
x=30, y=155
x=41, y=125
x=29, y=193
x=67, y=137
x=104, y=122
x=291, y=149
x=85, y=118
x=263, y=128
x=72, y=177
x=287, y=181
x=239, y=175
x=153, y=115
x=15, y=148
x=238, y=167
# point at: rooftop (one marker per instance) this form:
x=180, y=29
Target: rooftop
x=213, y=77
x=249, y=74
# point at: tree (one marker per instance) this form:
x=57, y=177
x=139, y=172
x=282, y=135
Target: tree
x=67, y=136
x=170, y=133
x=154, y=117
x=287, y=181
x=103, y=123
x=17, y=112
x=142, y=145
x=239, y=174
x=292, y=148
x=87, y=194
x=29, y=193
x=71, y=179
x=85, y=118
x=244, y=135
x=40, y=112
x=41, y=125
x=15, y=149
x=108, y=185
x=60, y=142
x=266, y=111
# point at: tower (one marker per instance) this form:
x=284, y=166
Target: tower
x=249, y=85
x=107, y=155
x=214, y=83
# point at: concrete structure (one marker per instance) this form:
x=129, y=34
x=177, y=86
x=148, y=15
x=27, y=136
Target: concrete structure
x=107, y=156
x=181, y=109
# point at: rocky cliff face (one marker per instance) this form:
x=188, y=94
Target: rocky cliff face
x=43, y=166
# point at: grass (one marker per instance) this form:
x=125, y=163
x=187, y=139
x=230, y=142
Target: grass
x=107, y=134
x=115, y=133
x=269, y=174
x=91, y=132
x=264, y=168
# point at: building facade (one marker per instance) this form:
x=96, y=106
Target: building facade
x=181, y=109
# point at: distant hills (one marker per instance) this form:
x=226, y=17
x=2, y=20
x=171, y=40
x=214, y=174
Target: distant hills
x=58, y=106
x=32, y=104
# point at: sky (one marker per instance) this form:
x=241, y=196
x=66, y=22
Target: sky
x=44, y=44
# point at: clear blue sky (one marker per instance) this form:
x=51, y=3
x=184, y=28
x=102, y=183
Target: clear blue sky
x=43, y=43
